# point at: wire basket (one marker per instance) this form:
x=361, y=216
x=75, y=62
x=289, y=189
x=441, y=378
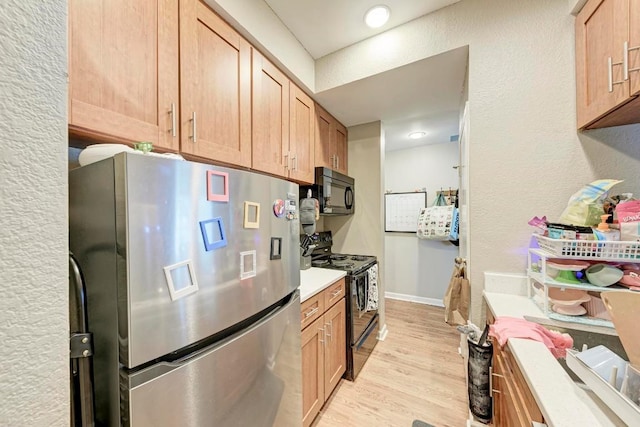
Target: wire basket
x=590, y=249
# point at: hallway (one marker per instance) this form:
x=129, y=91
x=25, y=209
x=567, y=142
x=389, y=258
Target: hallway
x=416, y=373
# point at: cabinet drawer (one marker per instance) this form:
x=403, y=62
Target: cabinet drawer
x=311, y=309
x=334, y=293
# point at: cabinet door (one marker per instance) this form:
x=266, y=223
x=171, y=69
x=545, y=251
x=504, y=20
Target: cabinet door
x=123, y=70
x=215, y=78
x=336, y=345
x=634, y=44
x=323, y=148
x=312, y=371
x=301, y=135
x=601, y=30
x=270, y=118
x=341, y=148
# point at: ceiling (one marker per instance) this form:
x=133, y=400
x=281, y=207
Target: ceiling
x=324, y=26
x=424, y=95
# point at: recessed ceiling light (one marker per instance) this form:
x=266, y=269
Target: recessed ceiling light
x=377, y=16
x=417, y=135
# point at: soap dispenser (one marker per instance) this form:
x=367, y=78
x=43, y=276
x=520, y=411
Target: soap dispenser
x=603, y=232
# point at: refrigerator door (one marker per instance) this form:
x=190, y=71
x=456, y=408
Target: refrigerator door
x=176, y=251
x=253, y=379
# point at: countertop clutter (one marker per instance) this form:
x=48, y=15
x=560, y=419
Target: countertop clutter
x=314, y=280
x=562, y=401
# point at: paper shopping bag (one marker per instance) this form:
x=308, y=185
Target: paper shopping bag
x=457, y=297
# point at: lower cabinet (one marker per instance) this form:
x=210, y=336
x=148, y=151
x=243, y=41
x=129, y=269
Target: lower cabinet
x=513, y=402
x=324, y=352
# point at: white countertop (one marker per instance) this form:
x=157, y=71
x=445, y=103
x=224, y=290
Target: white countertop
x=314, y=280
x=563, y=402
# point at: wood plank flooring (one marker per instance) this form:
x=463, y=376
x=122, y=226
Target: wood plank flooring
x=416, y=373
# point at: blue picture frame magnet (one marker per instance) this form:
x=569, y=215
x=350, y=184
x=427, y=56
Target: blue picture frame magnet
x=215, y=224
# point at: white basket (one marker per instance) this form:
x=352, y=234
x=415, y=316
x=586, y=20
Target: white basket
x=591, y=249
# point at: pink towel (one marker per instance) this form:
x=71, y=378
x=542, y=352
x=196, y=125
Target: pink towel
x=513, y=327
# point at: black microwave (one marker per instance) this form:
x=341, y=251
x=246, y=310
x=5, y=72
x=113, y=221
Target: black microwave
x=334, y=191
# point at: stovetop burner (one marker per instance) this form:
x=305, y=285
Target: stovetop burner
x=359, y=258
x=343, y=264
x=336, y=257
x=320, y=262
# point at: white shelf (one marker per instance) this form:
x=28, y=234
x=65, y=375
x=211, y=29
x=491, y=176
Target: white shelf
x=538, y=277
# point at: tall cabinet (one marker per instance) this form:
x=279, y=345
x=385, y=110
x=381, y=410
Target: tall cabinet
x=331, y=142
x=608, y=63
x=123, y=71
x=215, y=87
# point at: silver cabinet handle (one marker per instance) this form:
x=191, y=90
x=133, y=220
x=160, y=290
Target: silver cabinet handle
x=294, y=161
x=286, y=161
x=194, y=126
x=627, y=70
x=625, y=62
x=333, y=161
x=172, y=112
x=610, y=64
x=336, y=293
x=311, y=312
x=327, y=334
x=337, y=162
x=323, y=333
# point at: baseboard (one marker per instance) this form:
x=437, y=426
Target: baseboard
x=413, y=298
x=382, y=333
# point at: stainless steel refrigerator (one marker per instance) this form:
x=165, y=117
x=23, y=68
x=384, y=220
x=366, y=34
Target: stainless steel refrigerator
x=191, y=275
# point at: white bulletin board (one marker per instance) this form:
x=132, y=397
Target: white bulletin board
x=401, y=211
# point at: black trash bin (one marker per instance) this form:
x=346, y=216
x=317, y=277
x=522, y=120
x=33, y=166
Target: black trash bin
x=479, y=388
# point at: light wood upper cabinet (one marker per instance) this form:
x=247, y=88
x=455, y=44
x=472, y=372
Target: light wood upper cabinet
x=341, y=148
x=215, y=80
x=123, y=70
x=608, y=63
x=331, y=142
x=270, y=117
x=324, y=148
x=301, y=136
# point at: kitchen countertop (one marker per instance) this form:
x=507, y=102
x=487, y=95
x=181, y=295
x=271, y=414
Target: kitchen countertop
x=563, y=402
x=314, y=280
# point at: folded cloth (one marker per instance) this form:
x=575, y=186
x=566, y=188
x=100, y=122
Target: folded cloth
x=372, y=299
x=513, y=327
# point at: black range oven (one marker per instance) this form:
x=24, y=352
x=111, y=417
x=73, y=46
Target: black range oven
x=362, y=303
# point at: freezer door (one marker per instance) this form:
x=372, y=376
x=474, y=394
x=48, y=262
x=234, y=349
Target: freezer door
x=253, y=379
x=203, y=248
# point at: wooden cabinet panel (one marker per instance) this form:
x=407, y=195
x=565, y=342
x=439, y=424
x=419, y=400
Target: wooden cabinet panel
x=513, y=402
x=341, y=149
x=270, y=118
x=302, y=136
x=329, y=330
x=123, y=70
x=312, y=371
x=335, y=361
x=606, y=95
x=331, y=142
x=215, y=70
x=334, y=293
x=601, y=30
x=323, y=148
x=311, y=309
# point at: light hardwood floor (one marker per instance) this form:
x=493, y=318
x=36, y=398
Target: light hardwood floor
x=416, y=373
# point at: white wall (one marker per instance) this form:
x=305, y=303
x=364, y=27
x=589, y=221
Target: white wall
x=417, y=269
x=255, y=20
x=526, y=157
x=34, y=350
